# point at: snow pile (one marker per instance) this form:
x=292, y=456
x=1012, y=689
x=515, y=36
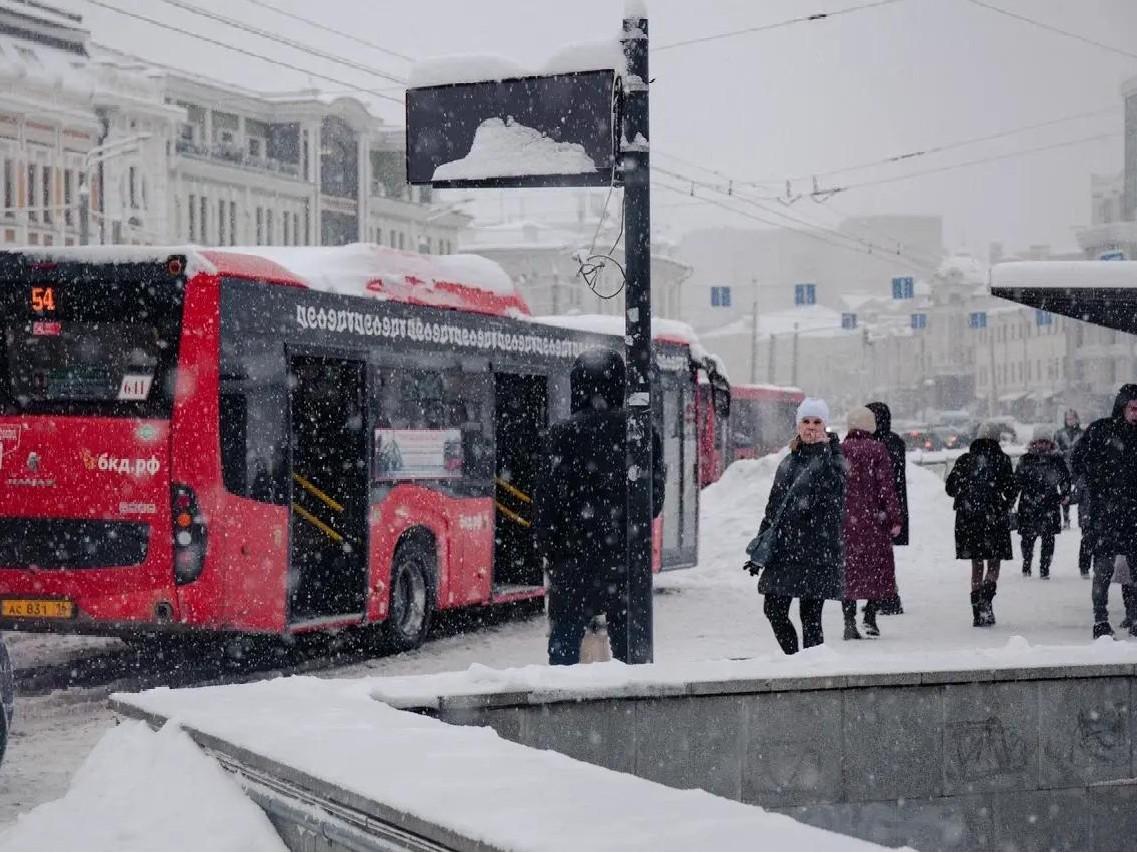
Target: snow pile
x=507, y=148
x=583, y=56
x=141, y=790
x=495, y=792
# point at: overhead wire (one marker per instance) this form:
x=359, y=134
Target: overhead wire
x=324, y=27
x=243, y=51
x=802, y=19
x=279, y=39
x=1053, y=29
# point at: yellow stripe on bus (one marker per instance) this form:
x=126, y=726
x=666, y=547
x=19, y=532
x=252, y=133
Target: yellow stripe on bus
x=513, y=490
x=315, y=522
x=308, y=487
x=511, y=515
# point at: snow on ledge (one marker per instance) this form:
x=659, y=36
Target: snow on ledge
x=583, y=56
x=1119, y=275
x=467, y=778
x=507, y=148
x=614, y=679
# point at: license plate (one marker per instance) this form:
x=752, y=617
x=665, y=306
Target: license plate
x=37, y=608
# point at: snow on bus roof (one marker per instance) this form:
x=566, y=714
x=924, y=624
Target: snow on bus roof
x=195, y=261
x=1110, y=275
x=473, y=68
x=675, y=331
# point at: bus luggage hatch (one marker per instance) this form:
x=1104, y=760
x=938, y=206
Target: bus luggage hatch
x=328, y=560
x=521, y=413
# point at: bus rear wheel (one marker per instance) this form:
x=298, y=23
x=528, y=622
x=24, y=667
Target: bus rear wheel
x=412, y=597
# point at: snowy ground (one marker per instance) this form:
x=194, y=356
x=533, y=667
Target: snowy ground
x=710, y=612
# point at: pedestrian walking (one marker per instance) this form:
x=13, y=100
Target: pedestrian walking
x=872, y=519
x=1105, y=458
x=801, y=531
x=580, y=522
x=982, y=482
x=897, y=452
x=1066, y=438
x=1044, y=489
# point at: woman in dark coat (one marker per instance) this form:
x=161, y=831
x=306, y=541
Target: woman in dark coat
x=872, y=518
x=984, y=487
x=1044, y=488
x=806, y=506
x=897, y=452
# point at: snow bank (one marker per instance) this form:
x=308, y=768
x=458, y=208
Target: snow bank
x=141, y=790
x=506, y=148
x=507, y=796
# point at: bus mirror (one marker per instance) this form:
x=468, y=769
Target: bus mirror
x=721, y=398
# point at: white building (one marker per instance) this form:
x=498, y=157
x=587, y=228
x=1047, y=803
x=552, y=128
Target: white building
x=172, y=157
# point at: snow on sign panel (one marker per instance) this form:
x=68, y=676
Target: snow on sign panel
x=552, y=130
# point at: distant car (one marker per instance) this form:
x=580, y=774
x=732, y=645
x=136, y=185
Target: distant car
x=7, y=697
x=950, y=437
x=921, y=439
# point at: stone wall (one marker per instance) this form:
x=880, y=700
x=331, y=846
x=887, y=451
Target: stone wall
x=1028, y=759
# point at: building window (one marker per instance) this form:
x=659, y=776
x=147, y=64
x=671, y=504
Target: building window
x=68, y=197
x=284, y=229
x=192, y=218
x=204, y=219
x=221, y=229
x=45, y=171
x=392, y=242
x=33, y=213
x=270, y=236
x=232, y=223
x=260, y=225
x=402, y=242
x=9, y=187
x=300, y=239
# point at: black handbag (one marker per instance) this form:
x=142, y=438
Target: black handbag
x=760, y=550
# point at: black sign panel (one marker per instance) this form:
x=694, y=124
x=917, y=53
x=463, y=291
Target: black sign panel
x=444, y=122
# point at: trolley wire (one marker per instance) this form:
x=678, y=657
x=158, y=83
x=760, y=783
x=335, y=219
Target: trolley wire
x=342, y=33
x=1053, y=29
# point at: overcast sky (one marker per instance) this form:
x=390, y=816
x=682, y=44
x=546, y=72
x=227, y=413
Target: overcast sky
x=788, y=102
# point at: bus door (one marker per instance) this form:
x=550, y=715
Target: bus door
x=329, y=488
x=680, y=452
x=521, y=414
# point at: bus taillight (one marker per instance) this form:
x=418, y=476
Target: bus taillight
x=189, y=534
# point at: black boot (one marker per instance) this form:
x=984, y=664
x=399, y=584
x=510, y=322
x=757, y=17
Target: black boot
x=1102, y=629
x=989, y=590
x=871, y=630
x=976, y=608
x=849, y=611
x=891, y=606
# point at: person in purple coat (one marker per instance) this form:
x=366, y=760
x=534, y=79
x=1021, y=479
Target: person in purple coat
x=872, y=519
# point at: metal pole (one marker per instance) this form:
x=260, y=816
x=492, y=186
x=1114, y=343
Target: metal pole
x=754, y=336
x=793, y=367
x=637, y=326
x=993, y=402
x=84, y=213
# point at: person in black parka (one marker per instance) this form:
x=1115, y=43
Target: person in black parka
x=807, y=503
x=1044, y=488
x=1105, y=458
x=580, y=518
x=894, y=444
x=984, y=487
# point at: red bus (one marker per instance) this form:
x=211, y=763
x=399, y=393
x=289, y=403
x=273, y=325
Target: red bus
x=282, y=440
x=761, y=421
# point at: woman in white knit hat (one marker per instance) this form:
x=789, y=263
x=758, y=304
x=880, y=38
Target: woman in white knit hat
x=804, y=558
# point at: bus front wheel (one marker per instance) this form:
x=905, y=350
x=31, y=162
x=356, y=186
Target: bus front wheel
x=412, y=597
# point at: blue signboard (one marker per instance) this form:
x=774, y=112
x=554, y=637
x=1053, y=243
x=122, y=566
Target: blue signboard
x=903, y=287
x=977, y=320
x=1115, y=255
x=919, y=321
x=1043, y=318
x=848, y=321
x=720, y=297
x=805, y=294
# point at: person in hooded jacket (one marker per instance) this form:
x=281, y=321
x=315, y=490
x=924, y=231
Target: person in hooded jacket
x=806, y=509
x=1106, y=460
x=983, y=484
x=897, y=452
x=1066, y=438
x=872, y=518
x=580, y=521
x=1044, y=487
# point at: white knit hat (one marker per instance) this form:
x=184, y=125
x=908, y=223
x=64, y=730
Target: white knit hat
x=813, y=407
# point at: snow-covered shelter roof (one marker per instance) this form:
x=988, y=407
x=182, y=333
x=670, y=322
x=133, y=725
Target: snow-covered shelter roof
x=1102, y=292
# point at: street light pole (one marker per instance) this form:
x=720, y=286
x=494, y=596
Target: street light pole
x=754, y=336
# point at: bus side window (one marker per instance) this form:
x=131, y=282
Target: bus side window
x=252, y=444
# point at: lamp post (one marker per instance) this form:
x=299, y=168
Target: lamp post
x=96, y=156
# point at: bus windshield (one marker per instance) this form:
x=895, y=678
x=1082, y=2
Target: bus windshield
x=97, y=349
